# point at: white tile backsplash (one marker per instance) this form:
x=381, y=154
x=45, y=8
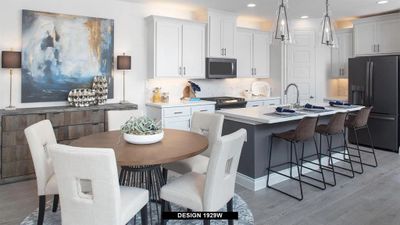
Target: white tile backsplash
x=209, y=88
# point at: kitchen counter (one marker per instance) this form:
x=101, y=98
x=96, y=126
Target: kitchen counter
x=179, y=104
x=260, y=127
x=266, y=115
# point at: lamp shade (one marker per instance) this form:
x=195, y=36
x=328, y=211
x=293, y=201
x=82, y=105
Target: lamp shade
x=10, y=59
x=123, y=62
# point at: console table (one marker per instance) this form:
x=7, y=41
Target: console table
x=69, y=123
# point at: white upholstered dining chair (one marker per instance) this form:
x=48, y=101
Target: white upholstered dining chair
x=209, y=125
x=116, y=118
x=107, y=203
x=210, y=191
x=39, y=136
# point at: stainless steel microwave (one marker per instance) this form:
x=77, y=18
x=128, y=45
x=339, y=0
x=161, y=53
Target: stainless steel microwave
x=219, y=68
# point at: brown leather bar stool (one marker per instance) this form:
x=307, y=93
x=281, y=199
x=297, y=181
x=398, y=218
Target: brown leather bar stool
x=304, y=132
x=357, y=123
x=335, y=127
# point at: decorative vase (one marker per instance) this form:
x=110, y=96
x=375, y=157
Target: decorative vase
x=143, y=139
x=81, y=97
x=100, y=86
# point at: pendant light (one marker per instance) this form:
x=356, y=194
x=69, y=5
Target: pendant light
x=328, y=32
x=282, y=25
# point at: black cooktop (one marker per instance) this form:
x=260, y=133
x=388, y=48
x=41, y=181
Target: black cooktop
x=227, y=102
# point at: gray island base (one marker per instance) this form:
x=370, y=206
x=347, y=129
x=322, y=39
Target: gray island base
x=261, y=123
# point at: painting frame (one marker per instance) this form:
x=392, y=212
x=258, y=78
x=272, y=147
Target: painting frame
x=61, y=52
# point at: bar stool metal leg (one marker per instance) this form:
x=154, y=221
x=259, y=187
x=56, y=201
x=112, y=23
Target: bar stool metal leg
x=331, y=150
x=359, y=150
x=291, y=159
x=330, y=162
x=359, y=154
x=298, y=170
x=269, y=169
x=373, y=149
x=319, y=164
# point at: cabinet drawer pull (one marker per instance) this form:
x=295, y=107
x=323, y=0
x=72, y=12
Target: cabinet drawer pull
x=178, y=112
x=255, y=105
x=204, y=110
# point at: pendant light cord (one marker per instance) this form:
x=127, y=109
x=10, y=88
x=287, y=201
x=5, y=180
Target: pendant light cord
x=327, y=7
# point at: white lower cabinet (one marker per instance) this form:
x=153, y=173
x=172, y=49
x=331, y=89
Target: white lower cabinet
x=270, y=102
x=203, y=108
x=179, y=123
x=254, y=104
x=178, y=117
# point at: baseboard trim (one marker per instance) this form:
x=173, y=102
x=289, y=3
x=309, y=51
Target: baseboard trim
x=261, y=182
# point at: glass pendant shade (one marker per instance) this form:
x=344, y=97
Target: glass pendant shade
x=282, y=25
x=328, y=31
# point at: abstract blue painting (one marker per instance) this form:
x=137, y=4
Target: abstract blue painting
x=62, y=52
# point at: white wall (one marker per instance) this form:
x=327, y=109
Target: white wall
x=130, y=37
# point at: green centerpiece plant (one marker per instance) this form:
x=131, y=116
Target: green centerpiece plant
x=141, y=126
x=142, y=130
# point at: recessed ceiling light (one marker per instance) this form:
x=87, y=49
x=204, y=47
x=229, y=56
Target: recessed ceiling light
x=382, y=2
x=304, y=17
x=251, y=5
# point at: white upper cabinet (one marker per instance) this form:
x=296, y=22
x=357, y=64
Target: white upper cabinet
x=389, y=36
x=176, y=48
x=341, y=54
x=364, y=38
x=168, y=49
x=229, y=36
x=221, y=35
x=377, y=35
x=193, y=51
x=253, y=53
x=261, y=47
x=244, y=54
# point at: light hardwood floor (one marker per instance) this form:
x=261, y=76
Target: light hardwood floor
x=369, y=199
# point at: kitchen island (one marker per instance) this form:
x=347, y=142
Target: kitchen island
x=260, y=123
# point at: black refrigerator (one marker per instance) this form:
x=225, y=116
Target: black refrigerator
x=374, y=81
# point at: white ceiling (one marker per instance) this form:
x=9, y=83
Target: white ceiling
x=267, y=8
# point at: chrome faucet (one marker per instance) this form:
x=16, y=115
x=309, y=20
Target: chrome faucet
x=298, y=92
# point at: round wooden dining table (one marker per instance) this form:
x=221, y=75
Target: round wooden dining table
x=176, y=145
x=141, y=164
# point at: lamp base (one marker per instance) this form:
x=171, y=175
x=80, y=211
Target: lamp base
x=10, y=108
x=124, y=102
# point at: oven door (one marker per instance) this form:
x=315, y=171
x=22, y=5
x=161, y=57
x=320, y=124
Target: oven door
x=217, y=68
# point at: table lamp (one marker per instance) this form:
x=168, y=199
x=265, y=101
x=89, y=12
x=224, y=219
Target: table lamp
x=10, y=60
x=123, y=63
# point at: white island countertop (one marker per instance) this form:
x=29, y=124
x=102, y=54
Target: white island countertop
x=266, y=114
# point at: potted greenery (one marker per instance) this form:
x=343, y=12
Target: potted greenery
x=142, y=130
